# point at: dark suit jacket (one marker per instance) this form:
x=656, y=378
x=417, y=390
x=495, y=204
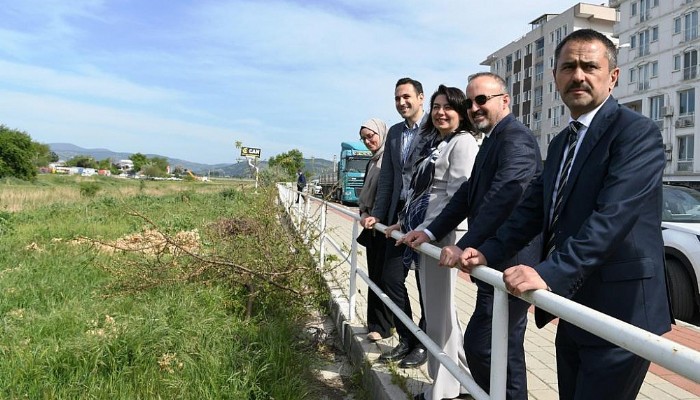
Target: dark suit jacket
x=505, y=165
x=390, y=176
x=609, y=251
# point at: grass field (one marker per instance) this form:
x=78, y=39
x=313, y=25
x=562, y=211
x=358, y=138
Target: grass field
x=120, y=289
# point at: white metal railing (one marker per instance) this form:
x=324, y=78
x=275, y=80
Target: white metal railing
x=659, y=350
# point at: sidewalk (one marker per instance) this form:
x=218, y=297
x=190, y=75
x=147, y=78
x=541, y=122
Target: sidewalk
x=539, y=343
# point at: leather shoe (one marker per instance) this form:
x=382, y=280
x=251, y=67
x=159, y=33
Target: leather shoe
x=417, y=357
x=396, y=353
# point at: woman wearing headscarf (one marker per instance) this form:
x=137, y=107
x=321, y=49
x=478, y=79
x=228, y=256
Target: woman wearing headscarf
x=445, y=163
x=379, y=319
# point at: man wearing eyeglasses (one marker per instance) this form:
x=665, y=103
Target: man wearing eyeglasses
x=598, y=203
x=509, y=158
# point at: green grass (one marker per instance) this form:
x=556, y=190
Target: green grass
x=77, y=323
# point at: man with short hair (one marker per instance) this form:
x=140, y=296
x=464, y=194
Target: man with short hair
x=508, y=160
x=401, y=150
x=301, y=183
x=598, y=205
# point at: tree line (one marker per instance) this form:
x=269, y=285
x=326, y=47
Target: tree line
x=20, y=157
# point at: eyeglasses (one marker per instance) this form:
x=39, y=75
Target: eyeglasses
x=482, y=99
x=368, y=137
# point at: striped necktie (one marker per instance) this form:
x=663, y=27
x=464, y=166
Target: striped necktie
x=572, y=137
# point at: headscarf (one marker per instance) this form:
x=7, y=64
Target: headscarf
x=369, y=189
x=377, y=126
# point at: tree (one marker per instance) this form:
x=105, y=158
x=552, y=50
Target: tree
x=82, y=161
x=139, y=161
x=17, y=154
x=156, y=166
x=290, y=162
x=43, y=154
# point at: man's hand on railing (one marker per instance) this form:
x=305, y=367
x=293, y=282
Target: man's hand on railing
x=368, y=222
x=521, y=278
x=414, y=239
x=450, y=256
x=391, y=228
x=469, y=259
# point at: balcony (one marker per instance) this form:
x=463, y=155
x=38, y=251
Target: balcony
x=690, y=72
x=685, y=122
x=643, y=85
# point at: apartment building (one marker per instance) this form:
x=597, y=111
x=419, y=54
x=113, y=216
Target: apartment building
x=658, y=59
x=527, y=63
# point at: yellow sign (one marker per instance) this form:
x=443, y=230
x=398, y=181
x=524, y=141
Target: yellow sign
x=250, y=152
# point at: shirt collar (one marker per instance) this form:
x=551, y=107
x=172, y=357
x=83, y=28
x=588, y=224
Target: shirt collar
x=587, y=118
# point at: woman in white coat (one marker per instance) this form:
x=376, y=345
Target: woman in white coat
x=446, y=163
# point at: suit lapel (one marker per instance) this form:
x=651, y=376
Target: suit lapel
x=483, y=155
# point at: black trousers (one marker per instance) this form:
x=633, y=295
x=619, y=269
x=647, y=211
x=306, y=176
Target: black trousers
x=605, y=372
x=477, y=342
x=394, y=279
x=379, y=318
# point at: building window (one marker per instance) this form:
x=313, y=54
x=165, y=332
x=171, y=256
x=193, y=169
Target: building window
x=509, y=63
x=526, y=120
x=537, y=120
x=555, y=117
x=538, y=96
x=677, y=25
x=633, y=75
x=676, y=62
x=633, y=10
x=654, y=69
x=656, y=104
x=633, y=42
x=690, y=64
x=643, y=83
x=539, y=71
x=686, y=102
x=686, y=152
x=517, y=55
x=559, y=34
x=644, y=37
x=528, y=49
x=539, y=47
x=691, y=26
x=644, y=10
x=655, y=34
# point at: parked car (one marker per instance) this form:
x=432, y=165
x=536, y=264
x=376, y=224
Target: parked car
x=681, y=232
x=314, y=187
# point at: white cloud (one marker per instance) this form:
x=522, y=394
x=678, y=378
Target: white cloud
x=186, y=79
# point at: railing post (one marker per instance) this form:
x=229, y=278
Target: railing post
x=307, y=212
x=322, y=236
x=499, y=345
x=353, y=272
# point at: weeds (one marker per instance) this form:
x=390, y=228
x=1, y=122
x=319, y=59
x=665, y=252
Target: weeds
x=202, y=295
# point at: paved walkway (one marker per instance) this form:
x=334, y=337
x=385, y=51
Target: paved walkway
x=539, y=343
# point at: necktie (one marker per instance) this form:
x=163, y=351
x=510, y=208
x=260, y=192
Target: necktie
x=572, y=137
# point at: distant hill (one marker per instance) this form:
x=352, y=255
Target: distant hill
x=66, y=151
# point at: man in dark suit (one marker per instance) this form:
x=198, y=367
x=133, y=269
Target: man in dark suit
x=301, y=183
x=509, y=158
x=598, y=205
x=401, y=150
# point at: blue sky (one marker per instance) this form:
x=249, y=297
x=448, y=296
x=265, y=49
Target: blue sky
x=189, y=78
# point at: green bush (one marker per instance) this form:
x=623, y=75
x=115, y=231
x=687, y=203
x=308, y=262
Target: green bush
x=89, y=189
